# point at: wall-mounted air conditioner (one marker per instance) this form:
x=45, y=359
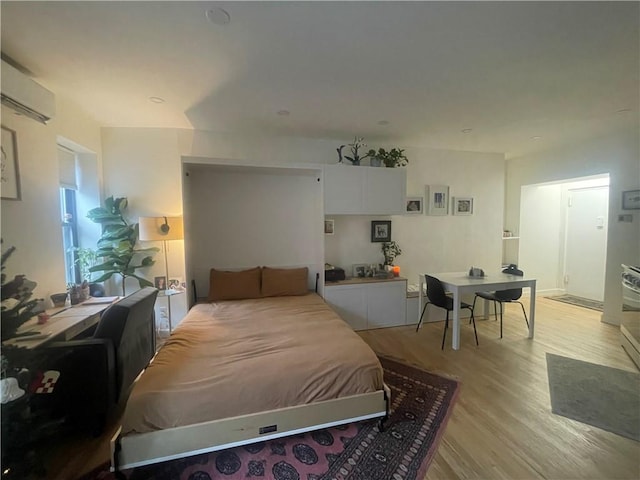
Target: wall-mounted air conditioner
x=25, y=96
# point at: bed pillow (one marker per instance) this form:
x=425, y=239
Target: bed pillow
x=225, y=285
x=278, y=282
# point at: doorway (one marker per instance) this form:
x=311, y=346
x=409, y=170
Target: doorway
x=562, y=246
x=586, y=242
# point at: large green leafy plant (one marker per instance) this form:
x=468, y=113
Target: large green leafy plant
x=17, y=304
x=117, y=245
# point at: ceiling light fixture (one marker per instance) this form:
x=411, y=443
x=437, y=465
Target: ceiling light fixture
x=467, y=130
x=383, y=122
x=624, y=110
x=536, y=137
x=283, y=113
x=218, y=16
x=156, y=99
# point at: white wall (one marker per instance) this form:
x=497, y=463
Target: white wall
x=617, y=154
x=33, y=224
x=434, y=243
x=242, y=219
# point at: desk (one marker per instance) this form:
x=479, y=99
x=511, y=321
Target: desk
x=63, y=324
x=459, y=283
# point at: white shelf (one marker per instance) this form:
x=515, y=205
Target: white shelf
x=510, y=238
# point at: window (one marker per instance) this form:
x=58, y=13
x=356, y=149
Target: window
x=69, y=220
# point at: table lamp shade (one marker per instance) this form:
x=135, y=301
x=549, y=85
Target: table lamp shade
x=160, y=228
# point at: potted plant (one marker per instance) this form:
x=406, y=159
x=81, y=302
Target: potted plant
x=17, y=304
x=86, y=258
x=117, y=245
x=392, y=158
x=355, y=157
x=390, y=250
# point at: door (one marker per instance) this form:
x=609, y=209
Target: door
x=586, y=242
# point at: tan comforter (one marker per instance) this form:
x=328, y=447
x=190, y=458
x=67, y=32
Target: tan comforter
x=245, y=356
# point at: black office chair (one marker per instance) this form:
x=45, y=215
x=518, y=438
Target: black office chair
x=499, y=297
x=437, y=296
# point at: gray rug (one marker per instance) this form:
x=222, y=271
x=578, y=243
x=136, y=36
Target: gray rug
x=605, y=397
x=579, y=301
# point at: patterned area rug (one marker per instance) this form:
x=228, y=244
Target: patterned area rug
x=421, y=405
x=579, y=301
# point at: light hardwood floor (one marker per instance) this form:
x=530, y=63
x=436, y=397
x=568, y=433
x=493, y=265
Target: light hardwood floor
x=501, y=426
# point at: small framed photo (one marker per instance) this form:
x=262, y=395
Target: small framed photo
x=413, y=205
x=463, y=206
x=438, y=197
x=381, y=230
x=10, y=171
x=631, y=200
x=176, y=284
x=360, y=270
x=329, y=227
x=160, y=283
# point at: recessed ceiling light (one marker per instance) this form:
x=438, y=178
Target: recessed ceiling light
x=624, y=110
x=156, y=99
x=383, y=122
x=218, y=16
x=467, y=130
x=536, y=137
x=283, y=113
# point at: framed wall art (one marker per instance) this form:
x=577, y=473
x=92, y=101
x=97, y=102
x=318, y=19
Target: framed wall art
x=414, y=205
x=463, y=206
x=381, y=230
x=631, y=200
x=438, y=199
x=10, y=184
x=329, y=227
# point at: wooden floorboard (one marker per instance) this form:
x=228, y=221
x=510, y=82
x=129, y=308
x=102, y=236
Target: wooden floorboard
x=501, y=426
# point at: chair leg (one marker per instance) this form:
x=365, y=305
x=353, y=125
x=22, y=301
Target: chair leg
x=421, y=315
x=475, y=332
x=446, y=325
x=500, y=319
x=495, y=309
x=525, y=314
x=473, y=307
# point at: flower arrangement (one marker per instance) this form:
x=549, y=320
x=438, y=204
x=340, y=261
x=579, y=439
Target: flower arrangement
x=355, y=157
x=390, y=250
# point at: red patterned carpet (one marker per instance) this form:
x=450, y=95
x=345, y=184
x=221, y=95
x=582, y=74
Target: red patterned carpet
x=421, y=405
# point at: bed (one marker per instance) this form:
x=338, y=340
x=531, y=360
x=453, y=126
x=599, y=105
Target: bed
x=263, y=358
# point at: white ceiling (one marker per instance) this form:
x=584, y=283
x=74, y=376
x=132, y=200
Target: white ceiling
x=510, y=71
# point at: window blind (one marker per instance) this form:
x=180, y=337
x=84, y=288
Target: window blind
x=67, y=166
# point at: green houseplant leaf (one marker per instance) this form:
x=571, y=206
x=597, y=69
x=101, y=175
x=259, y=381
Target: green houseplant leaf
x=117, y=245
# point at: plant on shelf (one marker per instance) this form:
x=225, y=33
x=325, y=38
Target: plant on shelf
x=117, y=245
x=17, y=304
x=390, y=250
x=392, y=158
x=355, y=158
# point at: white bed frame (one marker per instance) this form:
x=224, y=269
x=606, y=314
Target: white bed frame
x=136, y=450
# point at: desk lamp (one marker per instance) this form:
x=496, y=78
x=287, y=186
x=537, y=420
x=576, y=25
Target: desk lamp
x=155, y=229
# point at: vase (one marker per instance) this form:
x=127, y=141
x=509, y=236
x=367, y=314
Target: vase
x=375, y=162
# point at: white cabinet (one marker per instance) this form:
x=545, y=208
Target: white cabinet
x=358, y=190
x=350, y=302
x=369, y=305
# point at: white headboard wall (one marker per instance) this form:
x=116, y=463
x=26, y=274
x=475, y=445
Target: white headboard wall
x=241, y=217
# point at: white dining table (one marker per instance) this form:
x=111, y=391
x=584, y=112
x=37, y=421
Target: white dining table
x=459, y=283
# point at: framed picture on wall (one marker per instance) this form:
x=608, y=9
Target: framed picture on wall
x=438, y=198
x=160, y=283
x=329, y=227
x=631, y=200
x=463, y=206
x=381, y=230
x=413, y=205
x=10, y=172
